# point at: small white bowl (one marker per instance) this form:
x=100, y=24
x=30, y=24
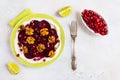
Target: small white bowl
x=84, y=23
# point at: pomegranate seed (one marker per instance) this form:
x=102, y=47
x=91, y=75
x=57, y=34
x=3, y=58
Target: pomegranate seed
x=37, y=58
x=19, y=44
x=57, y=40
x=20, y=36
x=48, y=44
x=34, y=59
x=53, y=32
x=18, y=55
x=20, y=49
x=33, y=46
x=44, y=60
x=28, y=25
x=34, y=53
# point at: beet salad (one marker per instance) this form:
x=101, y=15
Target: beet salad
x=38, y=40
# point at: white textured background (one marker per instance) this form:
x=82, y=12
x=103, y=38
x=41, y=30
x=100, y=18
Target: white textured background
x=98, y=57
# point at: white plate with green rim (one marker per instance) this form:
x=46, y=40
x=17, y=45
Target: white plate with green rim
x=28, y=18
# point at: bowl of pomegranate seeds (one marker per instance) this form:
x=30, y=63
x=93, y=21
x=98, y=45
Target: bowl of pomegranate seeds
x=94, y=22
x=37, y=40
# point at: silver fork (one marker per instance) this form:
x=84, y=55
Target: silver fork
x=73, y=32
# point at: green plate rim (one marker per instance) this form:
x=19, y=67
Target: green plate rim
x=15, y=29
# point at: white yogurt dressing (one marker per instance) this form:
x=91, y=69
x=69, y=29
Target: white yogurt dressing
x=17, y=49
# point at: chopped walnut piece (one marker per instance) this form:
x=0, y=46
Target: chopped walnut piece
x=44, y=32
x=25, y=49
x=22, y=27
x=51, y=39
x=51, y=54
x=30, y=40
x=40, y=47
x=29, y=31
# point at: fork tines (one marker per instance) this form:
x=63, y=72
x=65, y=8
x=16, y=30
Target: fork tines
x=73, y=28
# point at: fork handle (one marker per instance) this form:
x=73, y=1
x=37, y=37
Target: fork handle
x=74, y=63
